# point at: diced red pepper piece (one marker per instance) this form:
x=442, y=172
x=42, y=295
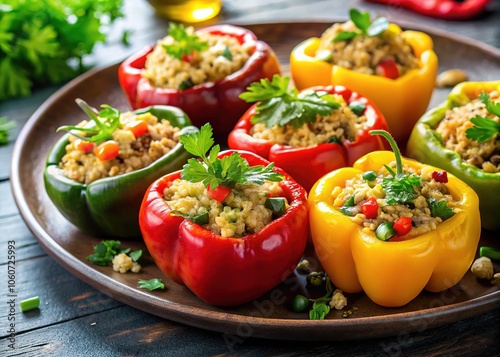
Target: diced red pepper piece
x=402, y=225
x=387, y=68
x=370, y=208
x=83, y=145
x=138, y=128
x=440, y=176
x=220, y=193
x=108, y=150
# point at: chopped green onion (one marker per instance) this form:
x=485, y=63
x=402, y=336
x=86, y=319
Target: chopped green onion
x=489, y=252
x=357, y=107
x=200, y=219
x=335, y=140
x=30, y=304
x=369, y=176
x=276, y=204
x=385, y=231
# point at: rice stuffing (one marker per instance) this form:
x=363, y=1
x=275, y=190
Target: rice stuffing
x=363, y=53
x=134, y=153
x=341, y=123
x=452, y=128
x=419, y=210
x=210, y=65
x=243, y=212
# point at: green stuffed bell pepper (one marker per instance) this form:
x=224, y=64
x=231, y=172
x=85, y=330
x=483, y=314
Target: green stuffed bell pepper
x=462, y=136
x=109, y=205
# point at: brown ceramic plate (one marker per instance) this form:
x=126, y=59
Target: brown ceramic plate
x=269, y=316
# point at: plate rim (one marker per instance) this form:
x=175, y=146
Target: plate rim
x=223, y=322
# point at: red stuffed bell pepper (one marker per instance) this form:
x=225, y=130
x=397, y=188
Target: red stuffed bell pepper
x=306, y=164
x=215, y=102
x=225, y=271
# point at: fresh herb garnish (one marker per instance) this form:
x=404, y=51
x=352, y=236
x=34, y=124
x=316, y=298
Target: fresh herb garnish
x=105, y=251
x=280, y=105
x=5, y=128
x=151, y=284
x=202, y=218
x=226, y=171
x=357, y=107
x=366, y=27
x=106, y=122
x=400, y=188
x=439, y=208
x=484, y=128
x=186, y=84
x=185, y=42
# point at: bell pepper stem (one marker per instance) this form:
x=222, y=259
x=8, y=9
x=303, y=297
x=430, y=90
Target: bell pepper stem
x=394, y=147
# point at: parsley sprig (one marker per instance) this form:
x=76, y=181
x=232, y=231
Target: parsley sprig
x=364, y=24
x=280, y=105
x=151, y=284
x=226, y=171
x=106, y=122
x=400, y=187
x=484, y=128
x=185, y=42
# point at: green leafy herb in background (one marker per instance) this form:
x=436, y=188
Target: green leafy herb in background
x=485, y=128
x=364, y=24
x=280, y=105
x=44, y=42
x=5, y=128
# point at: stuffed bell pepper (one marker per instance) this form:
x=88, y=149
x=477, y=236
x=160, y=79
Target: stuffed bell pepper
x=462, y=136
x=392, y=227
x=98, y=172
x=396, y=69
x=202, y=72
x=309, y=133
x=230, y=226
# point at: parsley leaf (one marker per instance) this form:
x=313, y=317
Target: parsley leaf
x=151, y=284
x=319, y=310
x=104, y=127
x=440, y=209
x=400, y=188
x=280, y=105
x=104, y=252
x=366, y=27
x=5, y=128
x=185, y=43
x=226, y=171
x=484, y=128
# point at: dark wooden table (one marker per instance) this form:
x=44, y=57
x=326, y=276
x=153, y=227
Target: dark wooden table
x=75, y=319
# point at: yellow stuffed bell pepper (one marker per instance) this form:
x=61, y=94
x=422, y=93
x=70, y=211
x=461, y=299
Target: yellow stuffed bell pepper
x=402, y=100
x=391, y=273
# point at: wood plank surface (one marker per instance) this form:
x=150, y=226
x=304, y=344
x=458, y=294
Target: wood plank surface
x=75, y=319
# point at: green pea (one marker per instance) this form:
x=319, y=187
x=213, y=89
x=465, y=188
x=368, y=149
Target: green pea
x=369, y=176
x=300, y=303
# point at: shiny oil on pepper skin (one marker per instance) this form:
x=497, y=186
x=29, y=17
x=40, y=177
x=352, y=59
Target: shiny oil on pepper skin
x=402, y=100
x=214, y=102
x=110, y=206
x=225, y=271
x=425, y=147
x=391, y=273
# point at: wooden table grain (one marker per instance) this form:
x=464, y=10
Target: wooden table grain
x=75, y=319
